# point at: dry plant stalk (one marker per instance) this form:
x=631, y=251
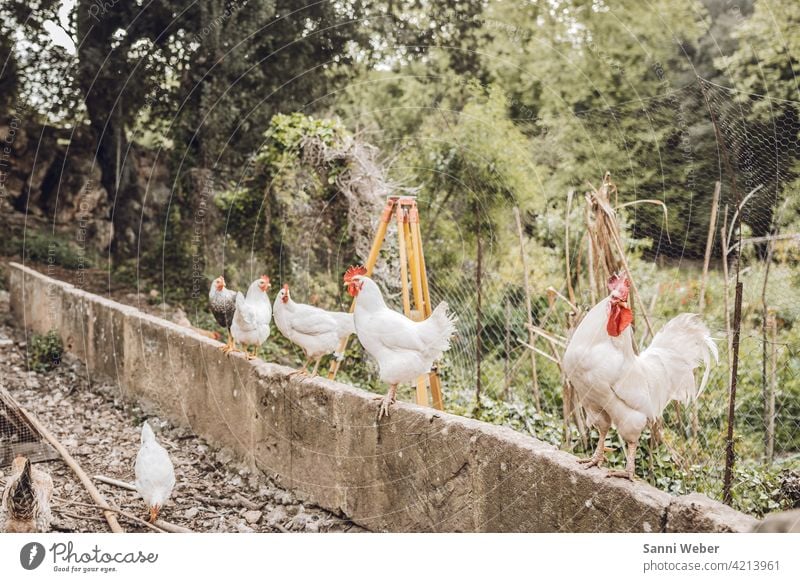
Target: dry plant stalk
x=606, y=241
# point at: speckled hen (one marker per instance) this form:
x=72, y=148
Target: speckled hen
x=26, y=498
x=222, y=302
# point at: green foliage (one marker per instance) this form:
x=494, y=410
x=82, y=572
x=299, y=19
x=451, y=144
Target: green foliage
x=283, y=191
x=47, y=249
x=45, y=351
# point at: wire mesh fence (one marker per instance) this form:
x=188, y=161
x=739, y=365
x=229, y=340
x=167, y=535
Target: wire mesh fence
x=737, y=155
x=700, y=196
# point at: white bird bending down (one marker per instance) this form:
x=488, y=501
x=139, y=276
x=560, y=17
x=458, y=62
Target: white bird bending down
x=155, y=475
x=250, y=326
x=316, y=331
x=616, y=386
x=404, y=349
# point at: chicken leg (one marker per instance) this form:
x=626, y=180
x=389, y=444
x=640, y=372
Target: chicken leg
x=387, y=401
x=599, y=456
x=302, y=371
x=229, y=346
x=630, y=463
x=154, y=513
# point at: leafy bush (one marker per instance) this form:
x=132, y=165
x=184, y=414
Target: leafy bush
x=45, y=351
x=48, y=249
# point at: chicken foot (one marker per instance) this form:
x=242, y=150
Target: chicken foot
x=154, y=513
x=630, y=464
x=302, y=371
x=599, y=456
x=387, y=401
x=230, y=345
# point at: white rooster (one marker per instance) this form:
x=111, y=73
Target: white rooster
x=250, y=326
x=404, y=349
x=316, y=331
x=155, y=475
x=615, y=386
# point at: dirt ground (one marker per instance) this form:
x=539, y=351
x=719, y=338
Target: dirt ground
x=212, y=493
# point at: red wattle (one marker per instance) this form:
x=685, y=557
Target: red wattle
x=619, y=318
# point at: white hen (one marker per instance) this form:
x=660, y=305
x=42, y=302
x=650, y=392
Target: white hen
x=316, y=331
x=404, y=349
x=155, y=475
x=250, y=326
x=616, y=386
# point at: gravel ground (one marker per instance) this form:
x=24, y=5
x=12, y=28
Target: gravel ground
x=212, y=494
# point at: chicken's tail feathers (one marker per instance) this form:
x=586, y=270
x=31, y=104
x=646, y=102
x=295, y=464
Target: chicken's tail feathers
x=682, y=345
x=345, y=323
x=442, y=326
x=22, y=496
x=25, y=478
x=239, y=300
x=711, y=351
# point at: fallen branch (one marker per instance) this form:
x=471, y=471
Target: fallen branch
x=77, y=515
x=115, y=482
x=124, y=514
x=171, y=527
x=111, y=518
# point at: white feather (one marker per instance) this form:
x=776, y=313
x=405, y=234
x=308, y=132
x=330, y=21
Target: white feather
x=618, y=387
x=317, y=331
x=251, y=320
x=404, y=349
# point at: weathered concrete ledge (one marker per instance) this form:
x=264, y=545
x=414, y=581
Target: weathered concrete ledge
x=419, y=470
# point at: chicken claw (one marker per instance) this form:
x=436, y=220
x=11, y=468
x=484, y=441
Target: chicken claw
x=621, y=474
x=383, y=410
x=387, y=401
x=592, y=462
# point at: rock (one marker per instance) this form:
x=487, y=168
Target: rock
x=283, y=498
x=300, y=521
x=191, y=513
x=276, y=516
x=242, y=528
x=252, y=516
x=5, y=342
x=224, y=456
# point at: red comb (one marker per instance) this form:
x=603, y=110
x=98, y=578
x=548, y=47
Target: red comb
x=265, y=279
x=286, y=286
x=616, y=279
x=354, y=271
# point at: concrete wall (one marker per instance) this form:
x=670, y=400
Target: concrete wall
x=418, y=470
